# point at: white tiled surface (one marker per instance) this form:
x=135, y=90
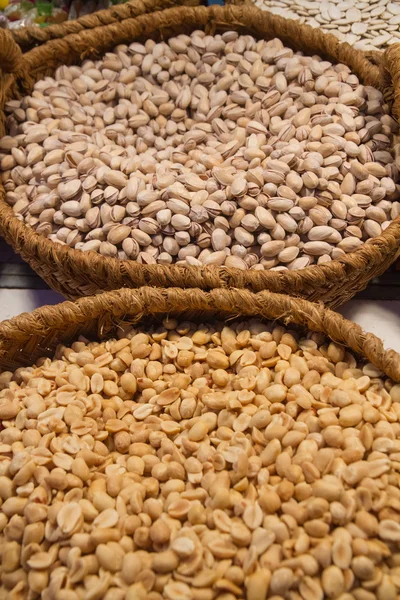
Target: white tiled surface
x=380, y=318
x=14, y=302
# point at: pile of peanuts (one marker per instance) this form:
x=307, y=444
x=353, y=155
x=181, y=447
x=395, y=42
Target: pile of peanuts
x=200, y=462
x=204, y=150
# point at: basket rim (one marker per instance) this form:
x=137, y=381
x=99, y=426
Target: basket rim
x=57, y=253
x=367, y=65
x=28, y=37
x=110, y=308
x=26, y=240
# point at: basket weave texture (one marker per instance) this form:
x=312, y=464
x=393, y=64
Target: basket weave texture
x=30, y=336
x=28, y=37
x=75, y=273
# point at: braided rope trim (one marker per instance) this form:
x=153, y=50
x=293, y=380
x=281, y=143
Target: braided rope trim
x=28, y=336
x=390, y=76
x=28, y=37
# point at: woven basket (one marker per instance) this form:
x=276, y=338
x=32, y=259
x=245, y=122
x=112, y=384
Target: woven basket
x=75, y=273
x=30, y=336
x=28, y=37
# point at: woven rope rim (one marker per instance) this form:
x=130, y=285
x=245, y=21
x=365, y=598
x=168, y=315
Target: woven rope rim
x=390, y=75
x=28, y=37
x=110, y=308
x=368, y=260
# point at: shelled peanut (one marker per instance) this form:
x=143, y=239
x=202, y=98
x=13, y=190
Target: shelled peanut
x=199, y=462
x=203, y=150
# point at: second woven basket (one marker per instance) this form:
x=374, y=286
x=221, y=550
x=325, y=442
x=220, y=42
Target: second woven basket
x=199, y=448
x=74, y=273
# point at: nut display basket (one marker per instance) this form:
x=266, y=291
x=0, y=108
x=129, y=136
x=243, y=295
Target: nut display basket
x=30, y=336
x=75, y=273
